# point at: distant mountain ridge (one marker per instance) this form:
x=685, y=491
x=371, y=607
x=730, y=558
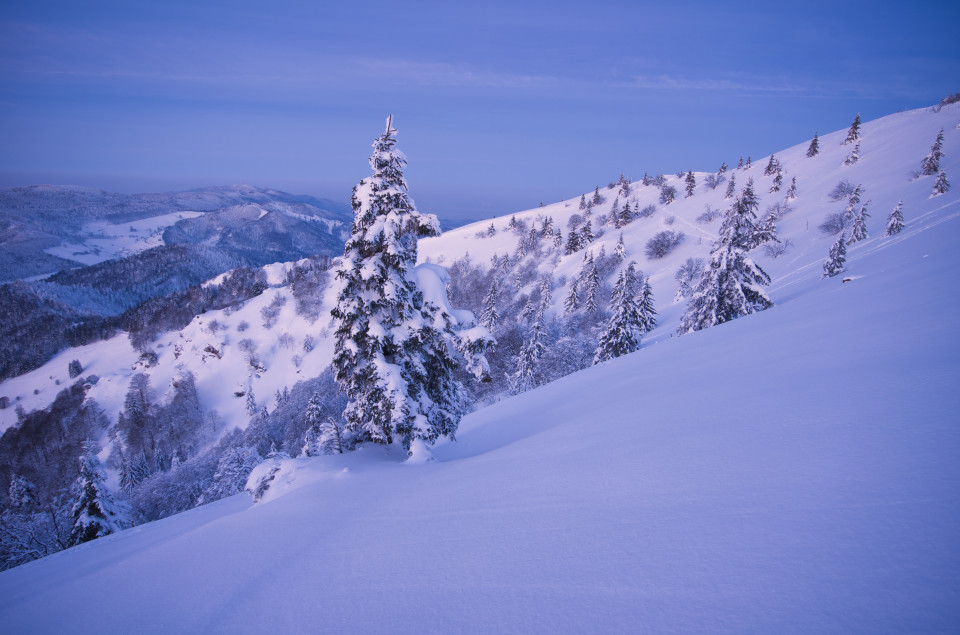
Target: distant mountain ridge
x=47, y=228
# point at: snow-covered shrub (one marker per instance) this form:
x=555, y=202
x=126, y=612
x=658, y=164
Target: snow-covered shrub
x=777, y=249
x=841, y=190
x=647, y=211
x=270, y=312
x=74, y=368
x=668, y=194
x=708, y=216
x=663, y=243
x=835, y=223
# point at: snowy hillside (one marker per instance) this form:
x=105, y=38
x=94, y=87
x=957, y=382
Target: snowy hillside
x=891, y=149
x=794, y=471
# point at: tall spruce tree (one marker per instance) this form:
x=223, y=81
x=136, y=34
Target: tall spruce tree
x=391, y=355
x=691, y=183
x=859, y=230
x=644, y=293
x=942, y=185
x=95, y=513
x=732, y=284
x=835, y=262
x=931, y=163
x=853, y=134
x=622, y=333
x=895, y=222
x=814, y=148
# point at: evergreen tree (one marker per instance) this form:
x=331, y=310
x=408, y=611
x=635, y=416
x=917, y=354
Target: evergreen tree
x=942, y=185
x=749, y=163
x=732, y=284
x=834, y=264
x=574, y=243
x=391, y=352
x=590, y=284
x=691, y=183
x=625, y=215
x=620, y=251
x=95, y=514
x=740, y=163
x=792, y=190
x=731, y=186
x=596, y=196
x=313, y=417
x=583, y=202
x=333, y=436
x=489, y=316
x=853, y=135
x=648, y=314
x=622, y=333
x=528, y=374
x=723, y=168
x=814, y=148
x=572, y=302
x=777, y=180
x=854, y=155
x=586, y=234
x=615, y=213
x=931, y=163
x=859, y=231
x=772, y=166
x=895, y=222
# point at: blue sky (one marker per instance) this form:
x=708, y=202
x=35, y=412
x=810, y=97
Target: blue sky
x=499, y=105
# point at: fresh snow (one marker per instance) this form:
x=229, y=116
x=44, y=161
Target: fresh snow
x=797, y=470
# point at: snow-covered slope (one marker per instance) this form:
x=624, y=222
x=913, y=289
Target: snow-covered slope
x=797, y=470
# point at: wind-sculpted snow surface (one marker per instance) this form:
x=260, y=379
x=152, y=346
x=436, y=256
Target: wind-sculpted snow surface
x=792, y=471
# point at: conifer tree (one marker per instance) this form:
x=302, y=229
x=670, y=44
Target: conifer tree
x=859, y=231
x=814, y=148
x=732, y=284
x=622, y=333
x=835, y=262
x=854, y=155
x=596, y=200
x=586, y=234
x=942, y=185
x=731, y=186
x=590, y=284
x=723, y=168
x=489, y=316
x=620, y=251
x=392, y=356
x=572, y=302
x=583, y=202
x=691, y=183
x=772, y=166
x=931, y=163
x=740, y=163
x=614, y=217
x=625, y=215
x=895, y=222
x=792, y=190
x=528, y=374
x=749, y=163
x=777, y=180
x=648, y=314
x=95, y=514
x=853, y=134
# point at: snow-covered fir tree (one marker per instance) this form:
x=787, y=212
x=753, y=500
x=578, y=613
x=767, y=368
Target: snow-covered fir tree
x=392, y=356
x=690, y=183
x=572, y=302
x=853, y=134
x=792, y=190
x=814, y=147
x=590, y=284
x=620, y=251
x=614, y=218
x=732, y=284
x=596, y=200
x=942, y=185
x=644, y=293
x=489, y=316
x=931, y=163
x=854, y=155
x=895, y=222
x=859, y=230
x=777, y=180
x=622, y=333
x=95, y=513
x=731, y=186
x=836, y=261
x=528, y=374
x=772, y=166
